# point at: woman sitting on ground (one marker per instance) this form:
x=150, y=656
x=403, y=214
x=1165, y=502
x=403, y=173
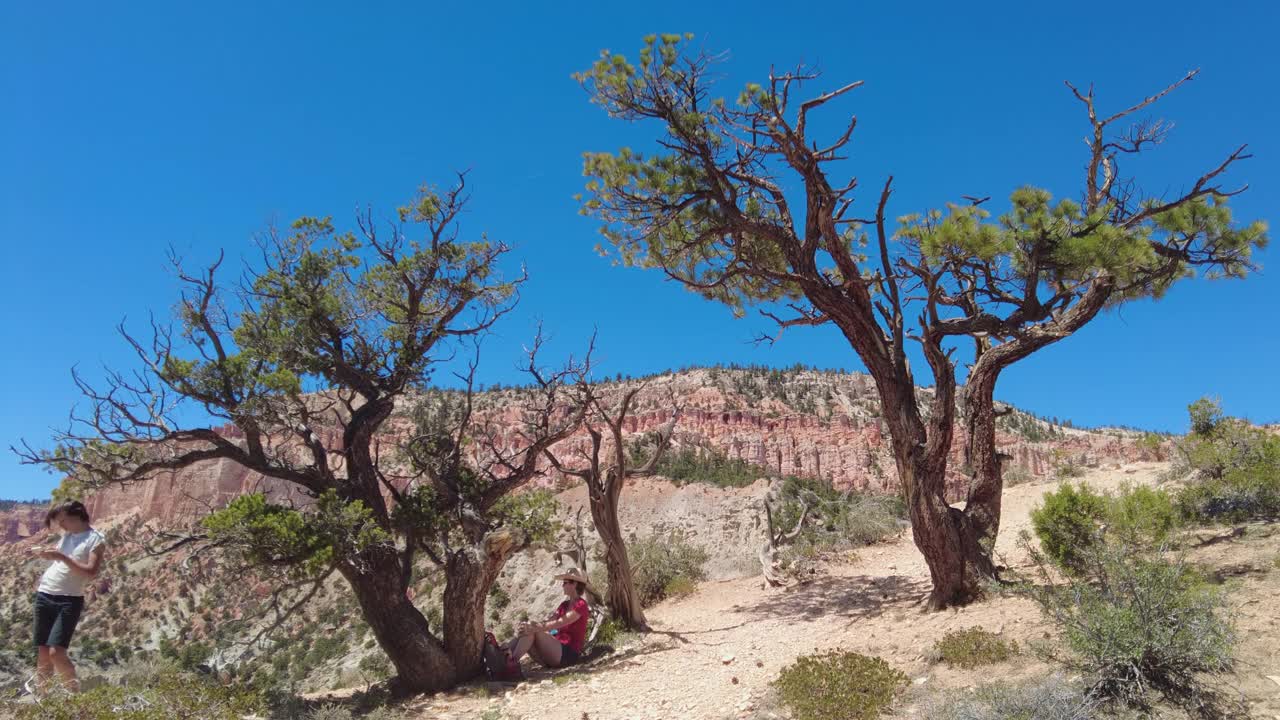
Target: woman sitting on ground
x=569, y=621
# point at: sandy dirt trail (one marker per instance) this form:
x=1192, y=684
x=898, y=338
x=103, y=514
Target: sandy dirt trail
x=713, y=654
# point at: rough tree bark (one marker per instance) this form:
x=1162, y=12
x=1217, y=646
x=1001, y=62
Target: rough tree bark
x=776, y=538
x=419, y=657
x=710, y=210
x=622, y=598
x=469, y=576
x=295, y=327
x=604, y=481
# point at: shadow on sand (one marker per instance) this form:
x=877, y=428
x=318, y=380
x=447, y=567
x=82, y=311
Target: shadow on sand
x=854, y=597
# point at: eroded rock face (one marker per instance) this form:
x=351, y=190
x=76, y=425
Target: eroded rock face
x=21, y=522
x=179, y=496
x=810, y=423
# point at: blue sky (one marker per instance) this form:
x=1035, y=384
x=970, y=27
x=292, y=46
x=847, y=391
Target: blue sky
x=131, y=127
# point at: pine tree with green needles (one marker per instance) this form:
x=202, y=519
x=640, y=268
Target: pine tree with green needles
x=740, y=202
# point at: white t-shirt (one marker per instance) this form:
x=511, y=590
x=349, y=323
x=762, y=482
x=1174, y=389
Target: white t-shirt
x=60, y=578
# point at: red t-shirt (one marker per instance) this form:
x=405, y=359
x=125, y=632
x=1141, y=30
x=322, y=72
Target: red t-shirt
x=575, y=635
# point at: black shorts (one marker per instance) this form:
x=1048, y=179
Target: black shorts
x=56, y=618
x=568, y=655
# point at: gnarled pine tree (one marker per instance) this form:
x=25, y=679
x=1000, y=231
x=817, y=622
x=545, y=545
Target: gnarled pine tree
x=298, y=372
x=712, y=208
x=605, y=478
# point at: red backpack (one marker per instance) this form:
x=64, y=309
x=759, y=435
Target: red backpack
x=498, y=663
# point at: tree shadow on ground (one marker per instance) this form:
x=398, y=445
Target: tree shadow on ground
x=598, y=660
x=603, y=658
x=855, y=597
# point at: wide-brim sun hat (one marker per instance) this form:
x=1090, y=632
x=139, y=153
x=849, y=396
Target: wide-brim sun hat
x=575, y=575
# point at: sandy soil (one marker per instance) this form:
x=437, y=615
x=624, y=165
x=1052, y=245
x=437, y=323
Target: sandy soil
x=713, y=654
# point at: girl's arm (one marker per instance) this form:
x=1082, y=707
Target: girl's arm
x=90, y=568
x=556, y=623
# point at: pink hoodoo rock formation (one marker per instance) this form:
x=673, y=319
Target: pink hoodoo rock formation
x=846, y=446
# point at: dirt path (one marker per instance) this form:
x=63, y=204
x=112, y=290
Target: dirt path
x=713, y=654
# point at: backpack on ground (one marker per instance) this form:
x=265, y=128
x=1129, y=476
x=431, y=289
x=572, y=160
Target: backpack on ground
x=498, y=664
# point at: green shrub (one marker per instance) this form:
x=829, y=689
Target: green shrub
x=1235, y=468
x=1240, y=496
x=700, y=465
x=1068, y=523
x=837, y=519
x=609, y=632
x=838, y=686
x=170, y=696
x=679, y=586
x=1016, y=475
x=1136, y=622
x=1047, y=699
x=1073, y=519
x=973, y=648
x=377, y=665
x=192, y=655
x=661, y=564
x=1142, y=515
x=330, y=712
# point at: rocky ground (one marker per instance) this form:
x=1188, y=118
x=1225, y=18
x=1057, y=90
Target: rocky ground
x=713, y=654
x=806, y=422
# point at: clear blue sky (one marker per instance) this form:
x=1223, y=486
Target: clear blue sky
x=129, y=127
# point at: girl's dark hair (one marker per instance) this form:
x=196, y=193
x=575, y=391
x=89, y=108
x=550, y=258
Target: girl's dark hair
x=582, y=588
x=75, y=508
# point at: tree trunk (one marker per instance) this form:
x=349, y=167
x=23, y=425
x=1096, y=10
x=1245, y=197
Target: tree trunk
x=921, y=454
x=421, y=663
x=424, y=663
x=980, y=520
x=937, y=535
x=622, y=599
x=469, y=575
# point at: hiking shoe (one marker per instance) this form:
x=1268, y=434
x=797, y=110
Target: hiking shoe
x=512, y=671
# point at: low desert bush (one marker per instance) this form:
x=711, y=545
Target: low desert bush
x=330, y=712
x=1136, y=622
x=664, y=566
x=609, y=632
x=838, y=686
x=837, y=519
x=140, y=669
x=1143, y=516
x=1233, y=468
x=1067, y=524
x=1016, y=475
x=1050, y=698
x=1239, y=496
x=169, y=696
x=679, y=586
x=1075, y=518
x=973, y=647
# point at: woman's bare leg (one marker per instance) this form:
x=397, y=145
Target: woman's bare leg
x=541, y=645
x=547, y=650
x=44, y=669
x=520, y=646
x=62, y=663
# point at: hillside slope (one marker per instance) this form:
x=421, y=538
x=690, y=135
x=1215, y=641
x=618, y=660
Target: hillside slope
x=761, y=422
x=713, y=654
